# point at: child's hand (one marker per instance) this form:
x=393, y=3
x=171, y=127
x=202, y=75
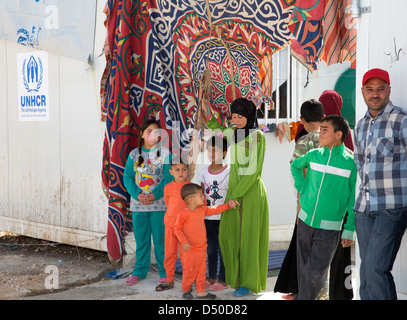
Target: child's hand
x=145, y=198
x=150, y=197
x=186, y=246
x=233, y=204
x=347, y=243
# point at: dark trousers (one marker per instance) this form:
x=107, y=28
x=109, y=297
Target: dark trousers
x=315, y=250
x=213, y=251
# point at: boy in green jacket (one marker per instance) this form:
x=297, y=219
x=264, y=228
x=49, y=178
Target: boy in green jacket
x=327, y=192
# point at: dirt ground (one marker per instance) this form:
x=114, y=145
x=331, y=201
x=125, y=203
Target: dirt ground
x=28, y=266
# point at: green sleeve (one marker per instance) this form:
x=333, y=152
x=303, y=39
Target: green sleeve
x=129, y=179
x=158, y=191
x=252, y=172
x=214, y=125
x=297, y=167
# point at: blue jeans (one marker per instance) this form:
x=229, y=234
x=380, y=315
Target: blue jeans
x=379, y=236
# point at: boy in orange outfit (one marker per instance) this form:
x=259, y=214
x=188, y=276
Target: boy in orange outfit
x=175, y=204
x=191, y=232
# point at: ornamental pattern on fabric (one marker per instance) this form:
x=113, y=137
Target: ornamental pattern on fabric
x=156, y=53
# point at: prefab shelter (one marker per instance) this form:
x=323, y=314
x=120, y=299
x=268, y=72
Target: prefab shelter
x=50, y=156
x=51, y=177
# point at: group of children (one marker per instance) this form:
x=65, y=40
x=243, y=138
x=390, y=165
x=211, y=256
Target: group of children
x=180, y=208
x=165, y=202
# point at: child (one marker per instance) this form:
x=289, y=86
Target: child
x=190, y=230
x=175, y=204
x=312, y=112
x=145, y=176
x=214, y=181
x=327, y=191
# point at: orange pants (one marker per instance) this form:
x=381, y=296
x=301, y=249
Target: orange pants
x=171, y=253
x=194, y=269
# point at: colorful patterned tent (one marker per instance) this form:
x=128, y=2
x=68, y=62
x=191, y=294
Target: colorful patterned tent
x=157, y=53
x=323, y=30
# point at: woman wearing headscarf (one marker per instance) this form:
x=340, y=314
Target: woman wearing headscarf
x=332, y=102
x=244, y=231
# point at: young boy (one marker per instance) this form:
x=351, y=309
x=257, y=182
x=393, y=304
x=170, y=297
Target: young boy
x=215, y=181
x=312, y=112
x=327, y=192
x=175, y=204
x=190, y=230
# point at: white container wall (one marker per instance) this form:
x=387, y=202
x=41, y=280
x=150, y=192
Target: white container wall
x=50, y=179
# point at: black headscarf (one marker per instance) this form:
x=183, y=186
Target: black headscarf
x=247, y=109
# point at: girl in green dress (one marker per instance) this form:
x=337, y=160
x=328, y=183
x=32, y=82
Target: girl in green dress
x=244, y=231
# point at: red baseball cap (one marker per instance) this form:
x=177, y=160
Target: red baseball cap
x=376, y=73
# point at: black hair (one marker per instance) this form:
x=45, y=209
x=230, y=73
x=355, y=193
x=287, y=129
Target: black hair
x=339, y=123
x=177, y=160
x=146, y=123
x=312, y=110
x=219, y=142
x=189, y=189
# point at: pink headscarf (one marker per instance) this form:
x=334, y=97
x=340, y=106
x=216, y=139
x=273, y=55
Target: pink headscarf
x=332, y=102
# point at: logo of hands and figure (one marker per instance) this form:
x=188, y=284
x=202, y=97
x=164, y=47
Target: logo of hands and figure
x=32, y=74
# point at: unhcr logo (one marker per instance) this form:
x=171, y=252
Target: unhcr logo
x=32, y=79
x=33, y=98
x=32, y=74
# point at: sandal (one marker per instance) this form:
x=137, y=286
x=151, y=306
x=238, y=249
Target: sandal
x=208, y=296
x=132, y=280
x=162, y=280
x=187, y=295
x=218, y=287
x=241, y=291
x=164, y=286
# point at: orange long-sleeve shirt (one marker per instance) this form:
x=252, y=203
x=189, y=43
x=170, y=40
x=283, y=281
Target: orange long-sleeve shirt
x=174, y=202
x=190, y=225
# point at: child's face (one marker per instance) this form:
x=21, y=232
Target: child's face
x=179, y=172
x=198, y=199
x=327, y=135
x=151, y=136
x=216, y=155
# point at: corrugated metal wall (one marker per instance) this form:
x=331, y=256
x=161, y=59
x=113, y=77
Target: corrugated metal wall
x=50, y=170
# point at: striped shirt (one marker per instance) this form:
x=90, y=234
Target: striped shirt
x=381, y=159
